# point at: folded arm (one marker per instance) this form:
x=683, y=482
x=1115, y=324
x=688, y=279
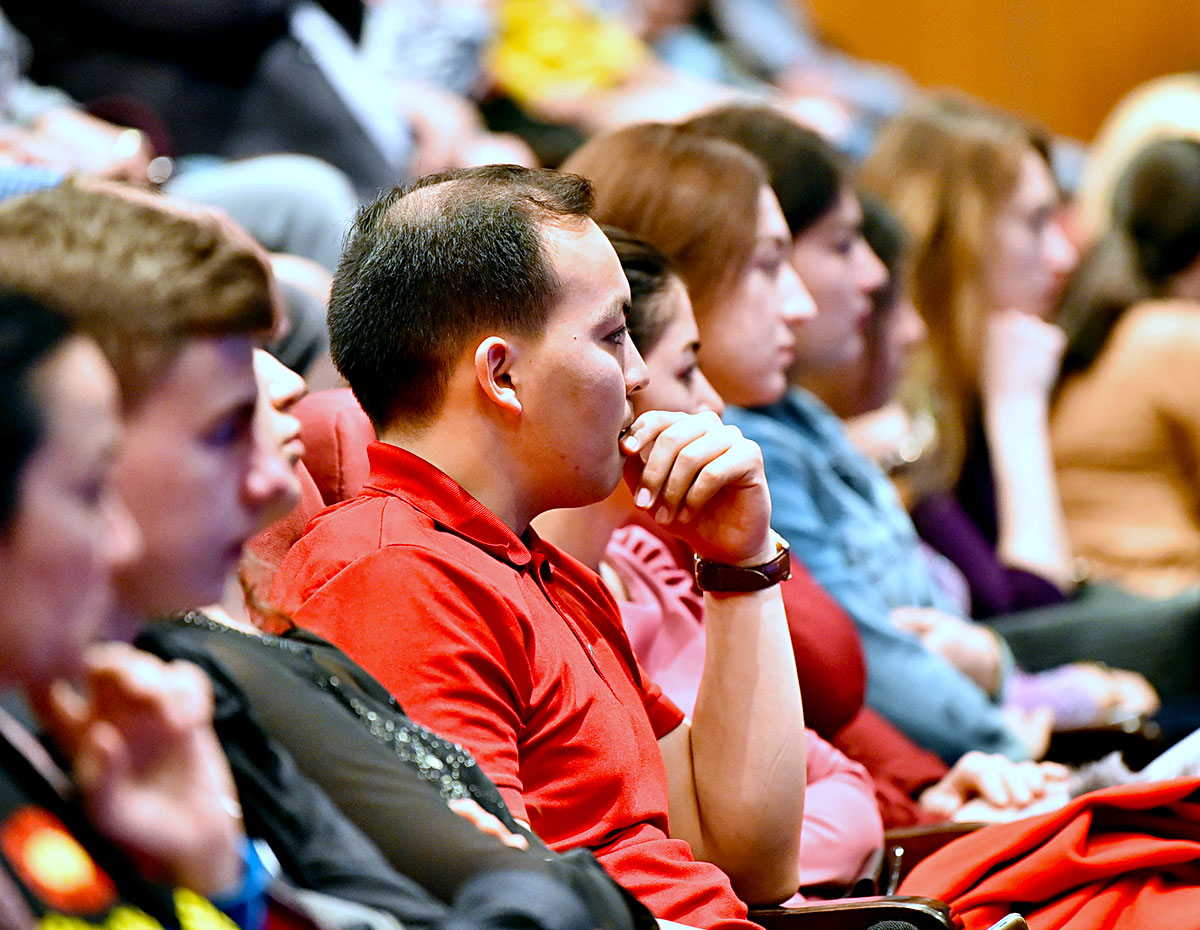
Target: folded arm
x=737, y=773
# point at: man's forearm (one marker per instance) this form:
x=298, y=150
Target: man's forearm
x=748, y=747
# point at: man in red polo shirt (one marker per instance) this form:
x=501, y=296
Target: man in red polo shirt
x=479, y=318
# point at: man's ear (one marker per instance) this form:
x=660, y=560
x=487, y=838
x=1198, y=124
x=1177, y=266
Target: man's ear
x=494, y=358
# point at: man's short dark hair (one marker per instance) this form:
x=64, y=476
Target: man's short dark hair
x=431, y=265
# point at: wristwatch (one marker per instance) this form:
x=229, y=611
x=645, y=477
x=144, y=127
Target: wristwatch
x=720, y=578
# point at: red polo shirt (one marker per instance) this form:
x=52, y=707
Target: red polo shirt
x=515, y=650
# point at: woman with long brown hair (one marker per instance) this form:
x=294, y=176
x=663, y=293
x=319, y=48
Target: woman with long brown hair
x=976, y=192
x=707, y=205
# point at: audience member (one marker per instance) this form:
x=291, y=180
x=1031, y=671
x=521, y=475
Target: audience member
x=877, y=422
x=984, y=279
x=892, y=330
x=499, y=385
x=131, y=791
x=975, y=190
x=1125, y=419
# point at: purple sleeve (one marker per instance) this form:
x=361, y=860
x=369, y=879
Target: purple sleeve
x=995, y=587
x=1065, y=690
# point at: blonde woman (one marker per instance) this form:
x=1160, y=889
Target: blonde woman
x=975, y=189
x=1166, y=107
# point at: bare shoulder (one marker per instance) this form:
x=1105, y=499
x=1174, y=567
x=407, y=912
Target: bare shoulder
x=1163, y=325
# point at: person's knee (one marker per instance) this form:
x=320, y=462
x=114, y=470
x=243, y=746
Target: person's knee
x=317, y=201
x=324, y=190
x=294, y=204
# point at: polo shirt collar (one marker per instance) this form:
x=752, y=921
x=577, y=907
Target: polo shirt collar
x=398, y=472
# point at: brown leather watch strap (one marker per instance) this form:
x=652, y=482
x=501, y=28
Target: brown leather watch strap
x=721, y=578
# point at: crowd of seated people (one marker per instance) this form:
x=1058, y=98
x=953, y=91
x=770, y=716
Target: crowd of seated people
x=769, y=476
x=138, y=735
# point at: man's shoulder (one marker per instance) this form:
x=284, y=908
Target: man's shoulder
x=355, y=528
x=370, y=526
x=388, y=545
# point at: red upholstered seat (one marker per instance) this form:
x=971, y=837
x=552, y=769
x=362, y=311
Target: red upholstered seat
x=265, y=551
x=336, y=433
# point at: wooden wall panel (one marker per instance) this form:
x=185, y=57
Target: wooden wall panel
x=1063, y=62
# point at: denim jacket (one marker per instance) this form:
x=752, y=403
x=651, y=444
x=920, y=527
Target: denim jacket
x=846, y=524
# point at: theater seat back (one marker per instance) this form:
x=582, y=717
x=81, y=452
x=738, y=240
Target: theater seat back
x=336, y=434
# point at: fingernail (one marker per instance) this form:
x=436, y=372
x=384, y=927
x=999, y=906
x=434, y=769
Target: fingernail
x=643, y=498
x=684, y=515
x=662, y=515
x=630, y=444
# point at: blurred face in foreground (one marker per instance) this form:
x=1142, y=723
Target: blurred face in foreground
x=69, y=530
x=199, y=478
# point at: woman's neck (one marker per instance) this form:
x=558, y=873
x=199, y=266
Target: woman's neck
x=231, y=609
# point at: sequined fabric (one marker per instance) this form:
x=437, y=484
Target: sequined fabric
x=445, y=765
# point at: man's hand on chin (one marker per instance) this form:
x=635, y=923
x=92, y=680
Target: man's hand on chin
x=703, y=481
